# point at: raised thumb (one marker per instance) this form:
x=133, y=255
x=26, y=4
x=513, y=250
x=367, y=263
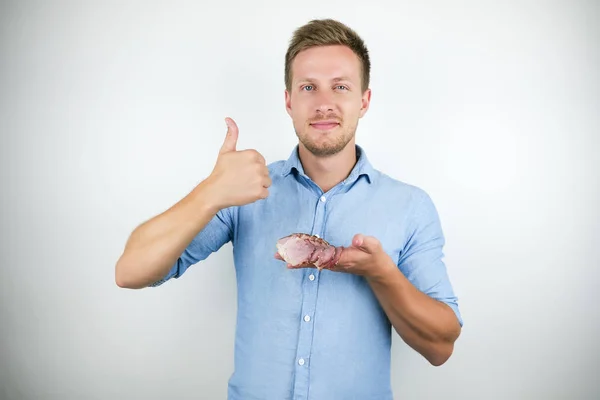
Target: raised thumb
x=231, y=138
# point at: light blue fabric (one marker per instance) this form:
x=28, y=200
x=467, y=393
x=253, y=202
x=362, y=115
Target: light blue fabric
x=305, y=334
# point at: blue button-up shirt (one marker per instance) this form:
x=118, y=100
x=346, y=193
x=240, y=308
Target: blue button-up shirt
x=305, y=334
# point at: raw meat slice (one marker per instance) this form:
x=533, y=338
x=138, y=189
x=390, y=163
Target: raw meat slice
x=302, y=249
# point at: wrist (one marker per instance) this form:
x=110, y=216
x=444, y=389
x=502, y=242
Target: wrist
x=384, y=269
x=206, y=196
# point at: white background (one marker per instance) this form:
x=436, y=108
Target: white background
x=112, y=111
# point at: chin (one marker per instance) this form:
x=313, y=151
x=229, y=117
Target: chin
x=324, y=142
x=324, y=148
x=323, y=151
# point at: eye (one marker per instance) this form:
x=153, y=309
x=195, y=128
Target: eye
x=342, y=87
x=306, y=86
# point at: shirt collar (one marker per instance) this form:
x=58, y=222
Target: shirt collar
x=362, y=167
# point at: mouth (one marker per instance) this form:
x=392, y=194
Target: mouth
x=324, y=125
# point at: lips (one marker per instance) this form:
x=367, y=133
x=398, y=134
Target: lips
x=324, y=125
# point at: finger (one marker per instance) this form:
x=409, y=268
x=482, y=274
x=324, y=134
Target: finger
x=264, y=193
x=231, y=138
x=261, y=158
x=267, y=182
x=366, y=243
x=347, y=258
x=278, y=257
x=358, y=240
x=254, y=156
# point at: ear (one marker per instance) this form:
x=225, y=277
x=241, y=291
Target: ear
x=366, y=101
x=288, y=102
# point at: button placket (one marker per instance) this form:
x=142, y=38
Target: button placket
x=309, y=303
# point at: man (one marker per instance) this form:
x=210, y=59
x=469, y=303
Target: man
x=303, y=332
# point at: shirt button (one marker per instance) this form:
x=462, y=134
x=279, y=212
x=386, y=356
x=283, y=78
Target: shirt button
x=317, y=236
x=307, y=318
x=301, y=361
x=323, y=199
x=311, y=277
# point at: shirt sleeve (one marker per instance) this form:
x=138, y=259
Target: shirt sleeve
x=421, y=260
x=210, y=239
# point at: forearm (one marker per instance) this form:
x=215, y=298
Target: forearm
x=154, y=246
x=428, y=326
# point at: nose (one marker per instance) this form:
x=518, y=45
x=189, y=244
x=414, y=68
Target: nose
x=324, y=102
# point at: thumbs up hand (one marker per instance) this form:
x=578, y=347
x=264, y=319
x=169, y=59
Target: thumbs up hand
x=239, y=177
x=231, y=138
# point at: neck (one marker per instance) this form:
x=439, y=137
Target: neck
x=328, y=171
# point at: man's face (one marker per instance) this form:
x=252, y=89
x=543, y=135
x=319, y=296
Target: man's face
x=326, y=99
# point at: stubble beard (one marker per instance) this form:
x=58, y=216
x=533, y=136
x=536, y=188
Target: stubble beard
x=330, y=147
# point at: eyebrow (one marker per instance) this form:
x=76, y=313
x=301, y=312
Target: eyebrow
x=337, y=79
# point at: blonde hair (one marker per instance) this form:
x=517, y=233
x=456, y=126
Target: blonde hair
x=327, y=32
